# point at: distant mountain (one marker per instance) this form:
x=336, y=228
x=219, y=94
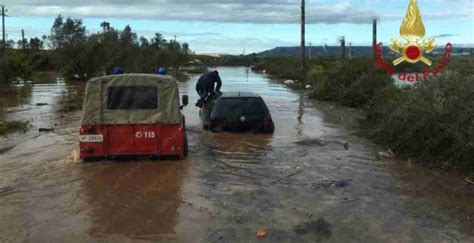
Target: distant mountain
x=355, y=51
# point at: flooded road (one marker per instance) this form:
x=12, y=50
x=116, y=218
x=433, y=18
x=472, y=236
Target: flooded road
x=312, y=180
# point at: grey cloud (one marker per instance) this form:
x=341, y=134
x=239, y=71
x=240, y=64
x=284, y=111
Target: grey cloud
x=235, y=13
x=231, y=11
x=243, y=11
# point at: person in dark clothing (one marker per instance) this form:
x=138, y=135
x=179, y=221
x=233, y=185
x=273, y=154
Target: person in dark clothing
x=208, y=85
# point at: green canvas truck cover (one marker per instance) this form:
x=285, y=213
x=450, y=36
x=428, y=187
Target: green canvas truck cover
x=97, y=108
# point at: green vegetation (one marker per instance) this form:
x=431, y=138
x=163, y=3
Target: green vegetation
x=78, y=55
x=72, y=100
x=12, y=126
x=433, y=123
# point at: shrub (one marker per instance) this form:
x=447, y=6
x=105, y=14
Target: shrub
x=282, y=68
x=15, y=64
x=352, y=83
x=433, y=123
x=12, y=126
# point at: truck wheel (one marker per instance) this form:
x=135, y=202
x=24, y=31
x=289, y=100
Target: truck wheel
x=185, y=146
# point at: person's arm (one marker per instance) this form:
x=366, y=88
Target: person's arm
x=200, y=86
x=219, y=83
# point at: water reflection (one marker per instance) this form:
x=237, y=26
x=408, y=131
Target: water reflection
x=37, y=102
x=137, y=200
x=238, y=149
x=17, y=95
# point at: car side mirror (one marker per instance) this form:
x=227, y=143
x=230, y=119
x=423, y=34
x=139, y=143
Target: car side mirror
x=185, y=101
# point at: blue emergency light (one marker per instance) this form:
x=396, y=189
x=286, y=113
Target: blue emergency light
x=161, y=71
x=117, y=70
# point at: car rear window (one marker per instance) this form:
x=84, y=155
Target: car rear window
x=132, y=98
x=244, y=105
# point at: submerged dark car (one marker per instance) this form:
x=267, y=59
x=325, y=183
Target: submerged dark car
x=237, y=112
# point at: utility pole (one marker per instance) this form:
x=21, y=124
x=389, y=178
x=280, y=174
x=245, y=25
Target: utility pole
x=343, y=47
x=3, y=26
x=23, y=38
x=350, y=50
x=374, y=32
x=310, y=50
x=303, y=46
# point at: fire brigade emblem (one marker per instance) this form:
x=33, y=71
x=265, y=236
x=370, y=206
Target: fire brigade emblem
x=412, y=30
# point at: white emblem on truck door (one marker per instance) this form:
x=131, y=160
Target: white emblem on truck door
x=145, y=135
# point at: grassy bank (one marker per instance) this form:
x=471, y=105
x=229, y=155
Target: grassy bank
x=12, y=126
x=433, y=123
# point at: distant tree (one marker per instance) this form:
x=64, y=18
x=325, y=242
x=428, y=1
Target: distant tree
x=186, y=50
x=67, y=33
x=70, y=44
x=144, y=41
x=105, y=26
x=10, y=44
x=158, y=41
x=36, y=44
x=127, y=37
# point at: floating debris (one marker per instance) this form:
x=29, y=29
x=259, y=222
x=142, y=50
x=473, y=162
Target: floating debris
x=342, y=183
x=318, y=142
x=387, y=154
x=46, y=129
x=262, y=233
x=289, y=82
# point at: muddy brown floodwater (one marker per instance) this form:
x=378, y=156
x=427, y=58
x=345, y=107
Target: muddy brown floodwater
x=312, y=180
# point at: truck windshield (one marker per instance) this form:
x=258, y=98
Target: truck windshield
x=132, y=98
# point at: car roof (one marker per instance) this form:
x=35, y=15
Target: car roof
x=237, y=94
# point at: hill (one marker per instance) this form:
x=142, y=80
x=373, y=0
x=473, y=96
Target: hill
x=354, y=51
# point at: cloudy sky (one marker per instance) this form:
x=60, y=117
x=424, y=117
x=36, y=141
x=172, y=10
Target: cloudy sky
x=232, y=26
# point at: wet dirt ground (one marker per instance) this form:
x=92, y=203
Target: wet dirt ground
x=312, y=180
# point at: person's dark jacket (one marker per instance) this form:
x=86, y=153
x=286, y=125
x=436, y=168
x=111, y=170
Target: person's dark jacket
x=206, y=84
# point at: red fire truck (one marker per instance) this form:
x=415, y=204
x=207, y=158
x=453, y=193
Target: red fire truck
x=133, y=115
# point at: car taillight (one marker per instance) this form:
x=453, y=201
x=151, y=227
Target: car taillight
x=268, y=122
x=89, y=130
